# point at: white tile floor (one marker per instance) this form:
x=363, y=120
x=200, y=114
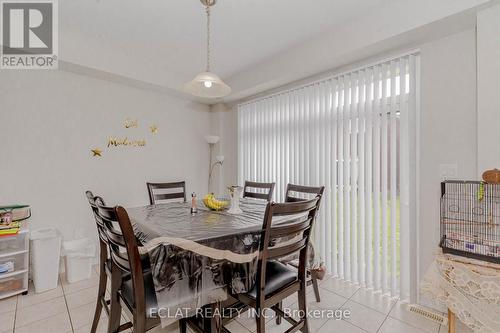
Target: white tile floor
x=70, y=308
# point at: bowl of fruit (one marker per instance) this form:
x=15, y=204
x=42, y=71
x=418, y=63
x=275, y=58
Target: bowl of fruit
x=212, y=203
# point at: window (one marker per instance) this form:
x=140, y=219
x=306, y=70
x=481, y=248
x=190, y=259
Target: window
x=350, y=133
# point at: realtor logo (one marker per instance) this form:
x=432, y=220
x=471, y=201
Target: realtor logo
x=29, y=34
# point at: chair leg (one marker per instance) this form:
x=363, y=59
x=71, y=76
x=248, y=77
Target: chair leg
x=101, y=293
x=314, y=279
x=260, y=320
x=115, y=310
x=100, y=297
x=139, y=323
x=302, y=307
x=182, y=326
x=278, y=317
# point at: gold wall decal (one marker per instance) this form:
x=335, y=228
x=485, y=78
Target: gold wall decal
x=96, y=152
x=125, y=142
x=114, y=141
x=131, y=123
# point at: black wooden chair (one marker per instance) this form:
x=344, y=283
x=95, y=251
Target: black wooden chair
x=136, y=288
x=275, y=281
x=176, y=191
x=104, y=263
x=294, y=193
x=297, y=193
x=259, y=190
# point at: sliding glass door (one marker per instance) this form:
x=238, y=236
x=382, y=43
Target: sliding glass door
x=350, y=133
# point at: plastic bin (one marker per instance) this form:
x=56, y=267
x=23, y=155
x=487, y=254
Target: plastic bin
x=45, y=250
x=78, y=259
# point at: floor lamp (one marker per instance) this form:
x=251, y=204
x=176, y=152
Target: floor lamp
x=212, y=140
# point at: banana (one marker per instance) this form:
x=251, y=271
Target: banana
x=212, y=203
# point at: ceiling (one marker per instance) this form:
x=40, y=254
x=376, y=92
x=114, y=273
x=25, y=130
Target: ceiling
x=257, y=44
x=163, y=41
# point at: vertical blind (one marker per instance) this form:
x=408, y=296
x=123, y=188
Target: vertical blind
x=349, y=133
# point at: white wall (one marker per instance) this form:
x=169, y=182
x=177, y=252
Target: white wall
x=488, y=84
x=50, y=121
x=448, y=128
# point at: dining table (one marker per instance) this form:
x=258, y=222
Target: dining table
x=198, y=260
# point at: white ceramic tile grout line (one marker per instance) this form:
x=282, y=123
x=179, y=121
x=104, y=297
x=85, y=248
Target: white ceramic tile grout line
x=67, y=307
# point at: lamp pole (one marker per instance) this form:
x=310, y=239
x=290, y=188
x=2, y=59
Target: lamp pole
x=212, y=141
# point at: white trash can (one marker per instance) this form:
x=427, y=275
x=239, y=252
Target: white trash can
x=45, y=256
x=78, y=259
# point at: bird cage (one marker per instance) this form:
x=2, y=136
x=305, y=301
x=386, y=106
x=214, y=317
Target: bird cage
x=470, y=219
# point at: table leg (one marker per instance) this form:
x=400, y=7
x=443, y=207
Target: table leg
x=451, y=322
x=216, y=318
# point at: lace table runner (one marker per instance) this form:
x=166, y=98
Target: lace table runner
x=469, y=288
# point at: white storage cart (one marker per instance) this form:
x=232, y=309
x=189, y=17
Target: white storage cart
x=15, y=254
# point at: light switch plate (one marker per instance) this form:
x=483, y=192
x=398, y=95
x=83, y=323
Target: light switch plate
x=448, y=171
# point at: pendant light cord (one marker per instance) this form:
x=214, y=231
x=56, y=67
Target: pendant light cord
x=207, y=9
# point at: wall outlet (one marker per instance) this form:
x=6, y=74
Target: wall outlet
x=448, y=171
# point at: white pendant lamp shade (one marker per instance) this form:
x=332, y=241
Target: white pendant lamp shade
x=207, y=85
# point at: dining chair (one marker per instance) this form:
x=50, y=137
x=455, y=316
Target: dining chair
x=259, y=190
x=296, y=193
x=169, y=192
x=136, y=289
x=104, y=266
x=276, y=281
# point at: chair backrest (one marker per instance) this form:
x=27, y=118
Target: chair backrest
x=166, y=192
x=288, y=237
x=260, y=190
x=93, y=200
x=124, y=251
x=295, y=193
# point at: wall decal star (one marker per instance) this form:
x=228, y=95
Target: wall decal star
x=153, y=129
x=96, y=152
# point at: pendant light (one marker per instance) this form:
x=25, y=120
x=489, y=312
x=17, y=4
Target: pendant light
x=207, y=84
